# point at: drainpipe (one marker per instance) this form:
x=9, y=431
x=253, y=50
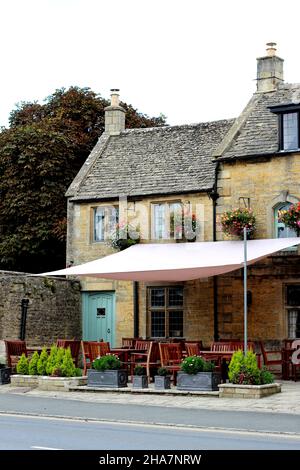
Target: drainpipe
x=24, y=307
x=135, y=309
x=214, y=197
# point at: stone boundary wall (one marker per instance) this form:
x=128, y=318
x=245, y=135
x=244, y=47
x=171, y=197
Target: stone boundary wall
x=54, y=309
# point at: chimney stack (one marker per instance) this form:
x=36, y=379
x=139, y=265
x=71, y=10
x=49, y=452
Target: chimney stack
x=114, y=115
x=269, y=70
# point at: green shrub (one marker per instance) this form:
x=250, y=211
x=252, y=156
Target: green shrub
x=23, y=365
x=52, y=360
x=57, y=372
x=67, y=367
x=42, y=362
x=266, y=377
x=109, y=362
x=139, y=370
x=32, y=369
x=208, y=366
x=162, y=371
x=193, y=364
x=244, y=370
x=78, y=372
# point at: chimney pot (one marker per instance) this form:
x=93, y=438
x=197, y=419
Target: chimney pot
x=271, y=49
x=114, y=97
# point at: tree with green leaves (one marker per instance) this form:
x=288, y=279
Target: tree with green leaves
x=40, y=154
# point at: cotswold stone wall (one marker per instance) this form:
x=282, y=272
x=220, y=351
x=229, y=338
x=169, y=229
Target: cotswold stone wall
x=54, y=309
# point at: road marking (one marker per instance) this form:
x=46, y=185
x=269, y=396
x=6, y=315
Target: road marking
x=44, y=448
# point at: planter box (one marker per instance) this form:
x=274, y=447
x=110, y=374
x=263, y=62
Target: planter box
x=47, y=383
x=59, y=383
x=5, y=375
x=162, y=382
x=19, y=380
x=107, y=378
x=140, y=381
x=248, y=391
x=206, y=381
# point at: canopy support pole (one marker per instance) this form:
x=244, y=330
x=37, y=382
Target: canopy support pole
x=245, y=292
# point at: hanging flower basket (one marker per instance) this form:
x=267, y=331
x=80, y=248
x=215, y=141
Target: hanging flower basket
x=233, y=222
x=291, y=217
x=124, y=236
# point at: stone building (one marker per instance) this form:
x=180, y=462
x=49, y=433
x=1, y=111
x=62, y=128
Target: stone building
x=145, y=176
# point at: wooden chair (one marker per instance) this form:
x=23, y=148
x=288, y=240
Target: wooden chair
x=128, y=343
x=14, y=350
x=149, y=359
x=171, y=357
x=91, y=350
x=271, y=362
x=74, y=346
x=295, y=346
x=193, y=348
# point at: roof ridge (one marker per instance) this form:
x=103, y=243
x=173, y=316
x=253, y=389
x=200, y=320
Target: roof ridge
x=176, y=126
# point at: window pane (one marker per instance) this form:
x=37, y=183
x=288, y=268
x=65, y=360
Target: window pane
x=294, y=323
x=176, y=220
x=157, y=297
x=293, y=296
x=158, y=324
x=175, y=323
x=175, y=296
x=99, y=214
x=159, y=222
x=290, y=131
x=281, y=230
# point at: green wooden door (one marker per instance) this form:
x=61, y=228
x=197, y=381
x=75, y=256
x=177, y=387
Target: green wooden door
x=98, y=320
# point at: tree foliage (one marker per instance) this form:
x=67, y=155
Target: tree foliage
x=40, y=154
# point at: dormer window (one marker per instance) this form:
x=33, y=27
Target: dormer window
x=290, y=131
x=288, y=126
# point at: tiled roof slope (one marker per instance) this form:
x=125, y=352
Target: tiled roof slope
x=258, y=133
x=158, y=160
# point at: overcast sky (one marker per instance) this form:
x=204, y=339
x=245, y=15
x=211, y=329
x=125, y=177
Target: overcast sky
x=191, y=60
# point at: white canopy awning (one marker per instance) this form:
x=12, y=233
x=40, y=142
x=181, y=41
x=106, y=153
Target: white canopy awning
x=176, y=261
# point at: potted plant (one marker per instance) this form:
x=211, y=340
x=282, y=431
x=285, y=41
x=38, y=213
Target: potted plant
x=291, y=217
x=107, y=372
x=198, y=374
x=162, y=381
x=140, y=379
x=246, y=379
x=4, y=373
x=233, y=222
x=124, y=236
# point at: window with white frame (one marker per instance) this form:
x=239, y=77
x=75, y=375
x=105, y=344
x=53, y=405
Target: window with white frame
x=293, y=310
x=281, y=231
x=167, y=220
x=104, y=222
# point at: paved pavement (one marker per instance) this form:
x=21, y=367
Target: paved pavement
x=288, y=401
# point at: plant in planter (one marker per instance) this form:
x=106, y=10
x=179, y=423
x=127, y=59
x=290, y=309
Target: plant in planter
x=124, y=236
x=4, y=374
x=291, y=217
x=244, y=370
x=247, y=380
x=107, y=372
x=23, y=365
x=140, y=379
x=233, y=222
x=162, y=381
x=198, y=374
